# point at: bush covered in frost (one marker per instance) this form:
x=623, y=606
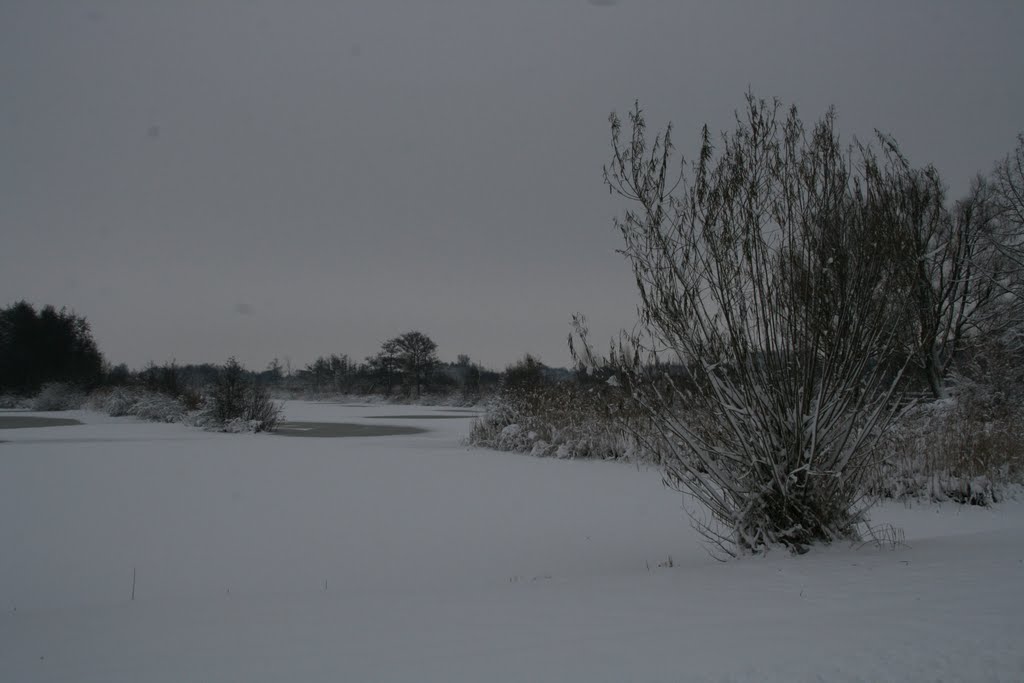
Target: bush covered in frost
x=137, y=402
x=968, y=448
x=240, y=405
x=12, y=401
x=57, y=396
x=257, y=412
x=562, y=420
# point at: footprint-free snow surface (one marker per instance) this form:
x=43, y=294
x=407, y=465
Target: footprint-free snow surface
x=413, y=558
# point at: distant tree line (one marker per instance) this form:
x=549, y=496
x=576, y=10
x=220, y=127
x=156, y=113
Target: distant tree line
x=406, y=365
x=49, y=345
x=56, y=346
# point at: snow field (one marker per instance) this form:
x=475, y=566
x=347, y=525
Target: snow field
x=444, y=564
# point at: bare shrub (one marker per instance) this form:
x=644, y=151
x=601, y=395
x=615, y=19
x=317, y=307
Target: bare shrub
x=770, y=279
x=229, y=392
x=241, y=405
x=261, y=413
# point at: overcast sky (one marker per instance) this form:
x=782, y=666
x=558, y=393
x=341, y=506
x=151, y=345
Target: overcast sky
x=211, y=178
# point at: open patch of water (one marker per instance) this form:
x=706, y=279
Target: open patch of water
x=430, y=416
x=31, y=421
x=342, y=429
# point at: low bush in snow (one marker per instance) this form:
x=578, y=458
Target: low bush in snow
x=968, y=449
x=259, y=413
x=137, y=402
x=450, y=400
x=563, y=420
x=159, y=408
x=238, y=405
x=11, y=401
x=58, y=396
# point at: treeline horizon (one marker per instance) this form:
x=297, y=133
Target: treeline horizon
x=56, y=346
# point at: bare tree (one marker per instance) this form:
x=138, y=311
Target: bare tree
x=1007, y=233
x=416, y=354
x=340, y=369
x=1008, y=179
x=768, y=273
x=229, y=400
x=948, y=265
x=318, y=372
x=384, y=365
x=236, y=396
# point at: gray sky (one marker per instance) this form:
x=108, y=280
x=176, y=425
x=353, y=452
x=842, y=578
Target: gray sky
x=208, y=178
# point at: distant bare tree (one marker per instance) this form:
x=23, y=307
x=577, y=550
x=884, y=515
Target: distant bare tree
x=318, y=373
x=416, y=354
x=384, y=365
x=237, y=397
x=1007, y=236
x=274, y=372
x=1008, y=180
x=229, y=392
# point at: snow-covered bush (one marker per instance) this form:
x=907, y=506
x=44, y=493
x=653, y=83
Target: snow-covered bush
x=239, y=405
x=11, y=401
x=203, y=418
x=258, y=413
x=159, y=408
x=562, y=420
x=137, y=402
x=968, y=448
x=261, y=413
x=58, y=396
x=115, y=402
x=242, y=426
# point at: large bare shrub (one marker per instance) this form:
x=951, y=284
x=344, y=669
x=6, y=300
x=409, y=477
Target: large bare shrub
x=771, y=278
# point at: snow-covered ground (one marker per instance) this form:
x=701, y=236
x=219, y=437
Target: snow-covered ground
x=413, y=558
